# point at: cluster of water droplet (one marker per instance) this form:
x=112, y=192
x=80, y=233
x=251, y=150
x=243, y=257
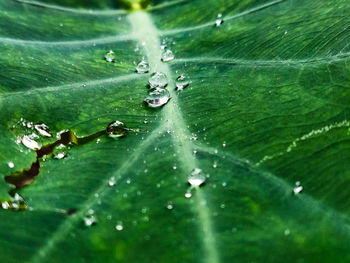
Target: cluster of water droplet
x=15, y=203
x=29, y=134
x=219, y=21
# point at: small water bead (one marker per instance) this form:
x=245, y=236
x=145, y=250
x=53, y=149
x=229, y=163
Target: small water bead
x=11, y=164
x=60, y=155
x=119, y=227
x=196, y=178
x=112, y=181
x=287, y=232
x=170, y=206
x=188, y=195
x=167, y=55
x=158, y=80
x=90, y=218
x=182, y=82
x=110, y=56
x=157, y=98
x=116, y=129
x=219, y=21
x=142, y=67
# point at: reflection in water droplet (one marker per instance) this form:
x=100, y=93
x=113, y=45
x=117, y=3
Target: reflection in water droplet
x=219, y=21
x=158, y=80
x=110, y=56
x=142, y=67
x=182, y=82
x=196, y=178
x=157, y=98
x=167, y=55
x=43, y=129
x=116, y=129
x=90, y=218
x=30, y=143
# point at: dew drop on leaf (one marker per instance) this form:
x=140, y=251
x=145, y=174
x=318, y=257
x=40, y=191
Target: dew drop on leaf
x=116, y=129
x=158, y=80
x=219, y=21
x=196, y=178
x=182, y=82
x=90, y=218
x=110, y=56
x=188, y=195
x=111, y=181
x=142, y=67
x=119, y=227
x=43, y=129
x=157, y=98
x=167, y=55
x=11, y=164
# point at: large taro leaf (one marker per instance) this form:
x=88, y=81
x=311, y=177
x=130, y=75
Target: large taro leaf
x=267, y=107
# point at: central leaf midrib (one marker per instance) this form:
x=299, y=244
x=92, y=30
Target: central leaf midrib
x=148, y=35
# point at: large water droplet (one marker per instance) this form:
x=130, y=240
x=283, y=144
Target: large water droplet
x=43, y=129
x=90, y=218
x=116, y=129
x=158, y=80
x=196, y=178
x=142, y=67
x=157, y=98
x=30, y=143
x=110, y=56
x=182, y=82
x=167, y=55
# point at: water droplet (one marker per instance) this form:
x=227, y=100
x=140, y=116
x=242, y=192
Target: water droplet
x=43, y=129
x=11, y=164
x=142, y=67
x=167, y=55
x=119, y=227
x=157, y=98
x=30, y=143
x=297, y=190
x=188, y=195
x=182, y=82
x=219, y=21
x=287, y=232
x=116, y=129
x=158, y=80
x=112, y=181
x=196, y=178
x=215, y=165
x=16, y=203
x=90, y=218
x=110, y=56
x=60, y=155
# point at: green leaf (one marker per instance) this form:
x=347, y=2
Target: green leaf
x=264, y=119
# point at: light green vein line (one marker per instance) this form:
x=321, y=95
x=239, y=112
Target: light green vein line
x=244, y=13
x=73, y=10
x=69, y=43
x=265, y=63
x=147, y=33
x=65, y=228
x=341, y=221
x=76, y=86
x=165, y=5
